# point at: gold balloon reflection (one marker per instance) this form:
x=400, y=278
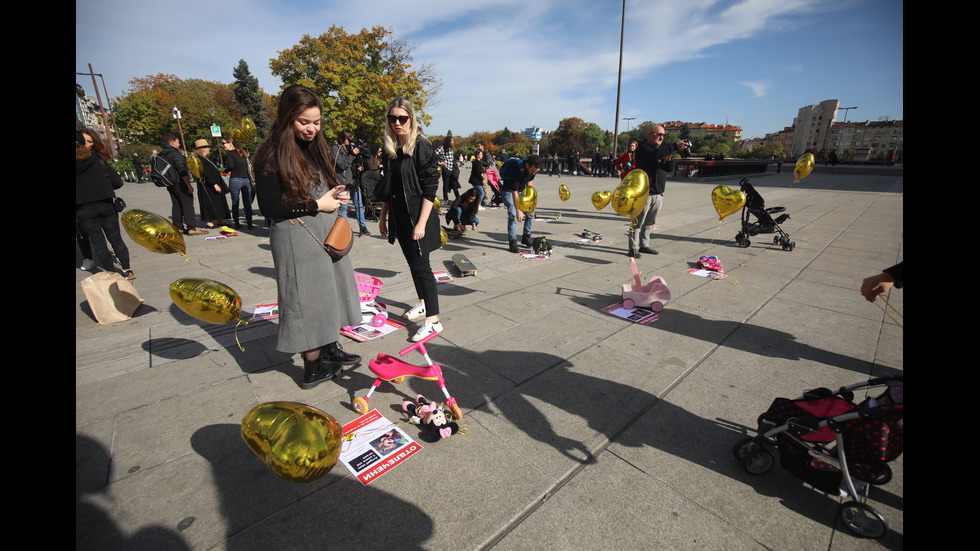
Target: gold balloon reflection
x=153, y=232
x=207, y=300
x=298, y=442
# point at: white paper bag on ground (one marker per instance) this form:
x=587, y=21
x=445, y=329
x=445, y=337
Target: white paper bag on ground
x=111, y=297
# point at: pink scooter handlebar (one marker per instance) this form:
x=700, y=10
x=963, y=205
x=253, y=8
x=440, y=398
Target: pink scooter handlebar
x=420, y=345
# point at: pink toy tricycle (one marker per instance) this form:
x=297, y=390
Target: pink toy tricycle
x=654, y=295
x=389, y=368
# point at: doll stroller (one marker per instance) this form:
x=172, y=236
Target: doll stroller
x=834, y=444
x=493, y=180
x=755, y=206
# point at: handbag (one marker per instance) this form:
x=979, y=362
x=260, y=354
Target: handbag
x=118, y=203
x=339, y=241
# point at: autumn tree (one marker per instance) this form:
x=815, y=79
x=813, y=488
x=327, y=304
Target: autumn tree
x=145, y=112
x=356, y=75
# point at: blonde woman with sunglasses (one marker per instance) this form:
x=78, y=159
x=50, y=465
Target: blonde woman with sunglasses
x=408, y=193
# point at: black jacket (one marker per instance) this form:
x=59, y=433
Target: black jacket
x=420, y=180
x=95, y=180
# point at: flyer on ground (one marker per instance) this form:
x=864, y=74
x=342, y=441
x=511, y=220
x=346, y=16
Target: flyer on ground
x=442, y=276
x=706, y=273
x=636, y=315
x=266, y=312
x=368, y=331
x=376, y=446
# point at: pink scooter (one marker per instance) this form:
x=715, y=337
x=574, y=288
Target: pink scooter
x=390, y=368
x=654, y=295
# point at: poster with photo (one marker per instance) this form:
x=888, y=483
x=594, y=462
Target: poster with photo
x=642, y=316
x=376, y=446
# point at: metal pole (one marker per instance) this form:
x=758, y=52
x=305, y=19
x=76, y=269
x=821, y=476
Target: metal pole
x=619, y=83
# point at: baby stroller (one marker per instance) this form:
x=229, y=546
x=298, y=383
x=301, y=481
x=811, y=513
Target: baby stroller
x=835, y=445
x=493, y=180
x=755, y=206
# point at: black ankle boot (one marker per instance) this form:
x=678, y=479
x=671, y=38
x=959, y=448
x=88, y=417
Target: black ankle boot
x=334, y=353
x=526, y=240
x=319, y=370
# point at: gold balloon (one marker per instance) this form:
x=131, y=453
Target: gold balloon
x=600, y=199
x=436, y=204
x=207, y=300
x=630, y=196
x=443, y=237
x=153, y=232
x=564, y=193
x=727, y=200
x=195, y=165
x=527, y=200
x=298, y=442
x=803, y=167
x=248, y=127
x=239, y=134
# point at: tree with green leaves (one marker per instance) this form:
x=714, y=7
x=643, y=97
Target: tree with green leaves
x=249, y=99
x=356, y=75
x=145, y=112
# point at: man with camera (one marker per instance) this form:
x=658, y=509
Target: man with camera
x=345, y=155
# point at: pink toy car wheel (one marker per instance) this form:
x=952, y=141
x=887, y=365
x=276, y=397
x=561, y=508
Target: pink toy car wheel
x=628, y=303
x=657, y=306
x=379, y=320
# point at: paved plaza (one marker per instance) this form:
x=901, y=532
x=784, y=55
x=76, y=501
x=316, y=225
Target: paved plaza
x=584, y=430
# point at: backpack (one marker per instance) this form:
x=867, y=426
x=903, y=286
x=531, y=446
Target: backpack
x=162, y=172
x=512, y=169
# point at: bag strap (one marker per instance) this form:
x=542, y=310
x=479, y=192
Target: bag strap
x=301, y=223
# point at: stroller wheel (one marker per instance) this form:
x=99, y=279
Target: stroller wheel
x=758, y=462
x=742, y=447
x=862, y=519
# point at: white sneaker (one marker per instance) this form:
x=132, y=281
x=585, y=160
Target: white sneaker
x=87, y=265
x=427, y=329
x=416, y=313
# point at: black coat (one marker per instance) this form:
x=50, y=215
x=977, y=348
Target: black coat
x=419, y=180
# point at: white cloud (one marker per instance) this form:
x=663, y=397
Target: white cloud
x=759, y=89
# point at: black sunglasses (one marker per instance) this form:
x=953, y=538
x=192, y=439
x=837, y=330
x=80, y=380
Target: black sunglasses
x=400, y=119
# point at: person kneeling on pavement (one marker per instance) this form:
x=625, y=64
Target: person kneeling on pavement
x=462, y=212
x=517, y=175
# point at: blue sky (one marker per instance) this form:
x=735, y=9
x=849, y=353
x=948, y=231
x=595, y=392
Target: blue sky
x=519, y=63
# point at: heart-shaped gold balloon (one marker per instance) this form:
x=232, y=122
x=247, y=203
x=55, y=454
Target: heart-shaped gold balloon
x=153, y=232
x=207, y=300
x=600, y=199
x=239, y=134
x=443, y=237
x=527, y=200
x=563, y=192
x=195, y=165
x=804, y=165
x=248, y=127
x=727, y=200
x=630, y=196
x=298, y=442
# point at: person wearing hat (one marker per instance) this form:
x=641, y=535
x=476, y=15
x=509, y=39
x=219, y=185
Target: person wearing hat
x=211, y=188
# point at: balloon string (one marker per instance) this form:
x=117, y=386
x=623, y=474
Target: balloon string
x=889, y=314
x=237, y=325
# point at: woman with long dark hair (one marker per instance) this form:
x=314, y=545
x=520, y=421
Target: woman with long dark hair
x=411, y=182
x=299, y=191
